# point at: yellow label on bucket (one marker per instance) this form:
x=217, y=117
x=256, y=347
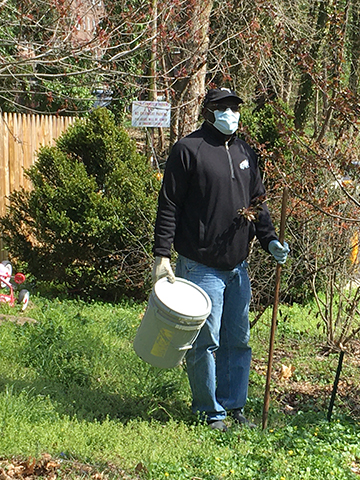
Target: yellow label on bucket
x=162, y=342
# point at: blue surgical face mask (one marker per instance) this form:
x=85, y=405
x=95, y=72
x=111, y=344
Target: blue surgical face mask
x=226, y=122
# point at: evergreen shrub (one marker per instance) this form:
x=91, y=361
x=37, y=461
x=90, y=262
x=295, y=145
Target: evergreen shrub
x=87, y=223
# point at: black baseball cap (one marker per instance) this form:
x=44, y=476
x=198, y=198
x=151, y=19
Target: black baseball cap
x=216, y=94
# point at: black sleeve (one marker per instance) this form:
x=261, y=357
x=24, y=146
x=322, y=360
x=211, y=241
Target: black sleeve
x=171, y=197
x=264, y=227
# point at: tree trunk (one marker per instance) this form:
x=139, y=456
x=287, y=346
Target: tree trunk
x=355, y=47
x=305, y=93
x=190, y=84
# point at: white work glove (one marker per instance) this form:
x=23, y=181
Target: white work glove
x=162, y=268
x=278, y=251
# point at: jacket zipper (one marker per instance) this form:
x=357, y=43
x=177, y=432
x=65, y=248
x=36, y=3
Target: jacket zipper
x=230, y=159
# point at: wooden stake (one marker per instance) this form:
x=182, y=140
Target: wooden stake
x=274, y=313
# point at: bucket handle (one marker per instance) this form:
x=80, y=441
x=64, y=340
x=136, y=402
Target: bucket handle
x=185, y=347
x=189, y=345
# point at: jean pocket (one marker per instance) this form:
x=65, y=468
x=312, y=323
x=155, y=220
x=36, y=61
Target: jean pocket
x=190, y=265
x=185, y=266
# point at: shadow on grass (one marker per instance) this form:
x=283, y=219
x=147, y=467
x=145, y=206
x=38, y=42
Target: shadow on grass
x=89, y=404
x=86, y=404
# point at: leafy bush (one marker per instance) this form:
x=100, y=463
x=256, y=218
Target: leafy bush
x=286, y=158
x=88, y=220
x=269, y=131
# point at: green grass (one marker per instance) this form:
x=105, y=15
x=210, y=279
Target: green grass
x=72, y=386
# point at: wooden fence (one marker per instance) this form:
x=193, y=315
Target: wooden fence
x=20, y=139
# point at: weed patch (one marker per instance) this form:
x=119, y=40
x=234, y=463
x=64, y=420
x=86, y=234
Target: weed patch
x=72, y=386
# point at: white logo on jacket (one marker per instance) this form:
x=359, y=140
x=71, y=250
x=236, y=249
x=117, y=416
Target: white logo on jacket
x=244, y=164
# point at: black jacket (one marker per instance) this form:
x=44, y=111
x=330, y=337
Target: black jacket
x=207, y=180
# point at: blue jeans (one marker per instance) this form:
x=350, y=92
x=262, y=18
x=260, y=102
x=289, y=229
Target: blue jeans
x=218, y=364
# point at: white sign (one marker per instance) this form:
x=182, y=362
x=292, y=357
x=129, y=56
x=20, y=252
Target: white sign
x=150, y=114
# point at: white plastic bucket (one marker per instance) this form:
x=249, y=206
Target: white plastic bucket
x=174, y=316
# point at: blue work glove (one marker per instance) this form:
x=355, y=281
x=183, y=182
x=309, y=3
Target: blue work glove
x=278, y=251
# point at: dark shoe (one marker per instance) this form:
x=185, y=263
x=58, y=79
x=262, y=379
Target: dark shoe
x=239, y=418
x=218, y=425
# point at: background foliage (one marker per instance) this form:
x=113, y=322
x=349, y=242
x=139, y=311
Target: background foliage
x=295, y=64
x=87, y=222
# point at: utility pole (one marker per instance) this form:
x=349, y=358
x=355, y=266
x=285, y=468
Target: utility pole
x=152, y=83
x=152, y=92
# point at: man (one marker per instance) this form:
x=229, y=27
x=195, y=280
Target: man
x=211, y=205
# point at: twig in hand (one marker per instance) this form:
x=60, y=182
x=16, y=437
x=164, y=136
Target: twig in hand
x=251, y=213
